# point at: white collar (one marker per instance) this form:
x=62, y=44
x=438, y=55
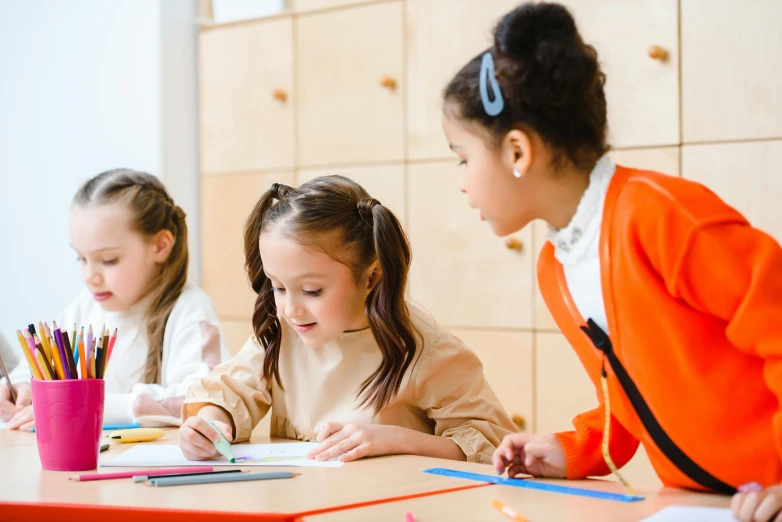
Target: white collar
x=571, y=243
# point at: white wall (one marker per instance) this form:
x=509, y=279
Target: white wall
x=85, y=86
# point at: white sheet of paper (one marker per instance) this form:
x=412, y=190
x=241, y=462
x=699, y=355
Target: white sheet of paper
x=285, y=454
x=691, y=514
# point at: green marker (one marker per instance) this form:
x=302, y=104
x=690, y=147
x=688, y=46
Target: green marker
x=222, y=445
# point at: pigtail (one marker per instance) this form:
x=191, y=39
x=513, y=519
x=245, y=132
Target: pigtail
x=386, y=308
x=266, y=326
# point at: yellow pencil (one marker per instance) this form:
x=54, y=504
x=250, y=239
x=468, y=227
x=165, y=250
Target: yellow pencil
x=42, y=362
x=29, y=356
x=47, y=349
x=92, y=367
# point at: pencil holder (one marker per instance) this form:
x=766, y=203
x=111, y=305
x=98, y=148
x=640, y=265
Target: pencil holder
x=68, y=422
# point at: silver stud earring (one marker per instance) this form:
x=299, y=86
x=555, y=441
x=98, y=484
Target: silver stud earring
x=516, y=173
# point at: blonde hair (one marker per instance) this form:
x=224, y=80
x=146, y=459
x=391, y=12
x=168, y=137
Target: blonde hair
x=152, y=210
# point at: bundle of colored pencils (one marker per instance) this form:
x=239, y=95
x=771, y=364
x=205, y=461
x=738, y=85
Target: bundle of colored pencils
x=53, y=355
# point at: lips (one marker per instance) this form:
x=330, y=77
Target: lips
x=304, y=328
x=102, y=296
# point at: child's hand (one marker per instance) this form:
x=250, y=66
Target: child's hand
x=355, y=441
x=758, y=506
x=23, y=398
x=538, y=455
x=23, y=420
x=196, y=438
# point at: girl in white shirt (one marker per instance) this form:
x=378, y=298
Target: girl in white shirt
x=131, y=242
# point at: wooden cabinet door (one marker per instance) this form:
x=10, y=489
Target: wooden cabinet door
x=385, y=183
x=345, y=113
x=462, y=273
x=564, y=391
x=435, y=52
x=508, y=364
x=642, y=92
x=243, y=126
x=745, y=175
x=664, y=159
x=226, y=203
x=731, y=78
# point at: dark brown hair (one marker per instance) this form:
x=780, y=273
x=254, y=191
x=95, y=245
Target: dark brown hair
x=366, y=231
x=151, y=210
x=550, y=80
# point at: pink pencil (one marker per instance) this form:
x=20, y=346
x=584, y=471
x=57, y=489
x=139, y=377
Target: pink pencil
x=146, y=472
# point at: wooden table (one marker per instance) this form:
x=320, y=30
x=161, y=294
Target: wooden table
x=372, y=489
x=537, y=506
x=316, y=490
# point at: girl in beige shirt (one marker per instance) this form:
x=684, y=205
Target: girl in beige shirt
x=338, y=355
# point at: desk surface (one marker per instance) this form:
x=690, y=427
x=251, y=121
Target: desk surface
x=537, y=506
x=317, y=492
x=315, y=489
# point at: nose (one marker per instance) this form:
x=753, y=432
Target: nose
x=293, y=308
x=92, y=275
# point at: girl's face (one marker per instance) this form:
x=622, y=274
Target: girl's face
x=504, y=201
x=318, y=296
x=118, y=264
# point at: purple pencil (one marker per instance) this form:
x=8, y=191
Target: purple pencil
x=61, y=349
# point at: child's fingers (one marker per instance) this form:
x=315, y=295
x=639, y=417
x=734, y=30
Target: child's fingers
x=30, y=425
x=499, y=462
x=328, y=444
x=328, y=429
x=769, y=508
x=198, y=449
x=735, y=504
x=359, y=452
x=20, y=418
x=199, y=425
x=749, y=506
x=196, y=439
x=24, y=395
x=340, y=448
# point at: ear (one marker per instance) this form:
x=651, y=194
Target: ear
x=517, y=150
x=162, y=243
x=372, y=275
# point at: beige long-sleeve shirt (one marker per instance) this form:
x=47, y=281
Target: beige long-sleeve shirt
x=443, y=393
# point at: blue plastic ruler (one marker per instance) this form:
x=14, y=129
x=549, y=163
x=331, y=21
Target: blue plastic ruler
x=531, y=484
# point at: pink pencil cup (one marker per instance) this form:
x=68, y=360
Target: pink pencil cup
x=68, y=422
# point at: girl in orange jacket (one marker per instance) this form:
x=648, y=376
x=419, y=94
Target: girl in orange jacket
x=670, y=298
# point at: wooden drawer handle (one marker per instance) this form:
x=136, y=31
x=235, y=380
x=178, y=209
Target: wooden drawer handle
x=519, y=421
x=658, y=53
x=280, y=95
x=514, y=243
x=388, y=82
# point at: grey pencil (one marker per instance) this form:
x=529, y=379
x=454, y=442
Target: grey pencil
x=206, y=479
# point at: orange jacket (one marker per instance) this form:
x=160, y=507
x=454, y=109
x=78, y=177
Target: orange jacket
x=693, y=297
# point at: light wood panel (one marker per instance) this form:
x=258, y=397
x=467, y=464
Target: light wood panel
x=462, y=273
x=731, y=79
x=745, y=175
x=242, y=126
x=508, y=363
x=303, y=6
x=345, y=115
x=226, y=203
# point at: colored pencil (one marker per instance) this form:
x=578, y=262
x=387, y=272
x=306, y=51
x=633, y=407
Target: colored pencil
x=82, y=354
x=111, y=346
x=74, y=374
x=47, y=348
x=57, y=352
x=11, y=390
x=129, y=474
x=144, y=478
x=29, y=352
x=89, y=351
x=27, y=355
x=208, y=479
x=46, y=371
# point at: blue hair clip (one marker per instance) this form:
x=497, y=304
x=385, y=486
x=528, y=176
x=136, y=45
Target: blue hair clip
x=495, y=106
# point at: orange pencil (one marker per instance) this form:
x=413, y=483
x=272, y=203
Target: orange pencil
x=29, y=356
x=508, y=512
x=82, y=354
x=57, y=360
